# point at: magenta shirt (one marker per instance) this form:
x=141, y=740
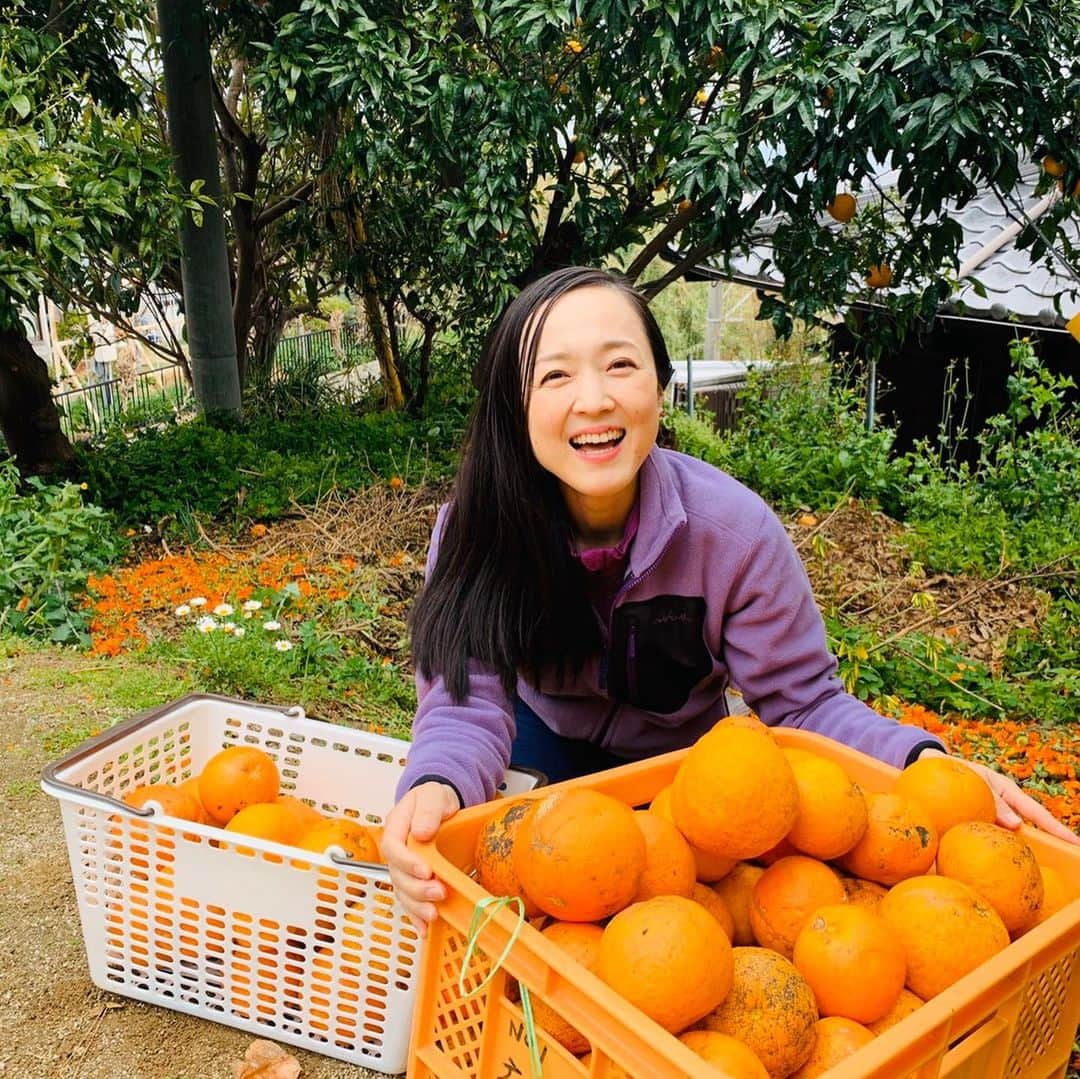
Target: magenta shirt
x=606, y=567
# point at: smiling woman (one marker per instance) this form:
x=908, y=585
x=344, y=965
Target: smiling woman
x=590, y=596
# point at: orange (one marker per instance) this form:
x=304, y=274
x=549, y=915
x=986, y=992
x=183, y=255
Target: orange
x=580, y=941
x=832, y=810
x=710, y=867
x=1056, y=894
x=669, y=861
x=303, y=815
x=191, y=787
x=788, y=892
x=835, y=1039
x=579, y=855
x=863, y=893
x=783, y=849
x=353, y=838
x=669, y=957
x=880, y=275
x=734, y=793
x=906, y=1003
x=237, y=777
x=726, y=1054
x=265, y=820
x=173, y=801
x=736, y=890
x=842, y=207
x=900, y=841
x=852, y=961
x=1053, y=167
x=769, y=1008
x=494, y=854
x=949, y=790
x=945, y=928
x=708, y=898
x=747, y=722
x=998, y=865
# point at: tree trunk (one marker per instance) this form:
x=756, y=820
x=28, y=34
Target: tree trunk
x=204, y=262
x=28, y=416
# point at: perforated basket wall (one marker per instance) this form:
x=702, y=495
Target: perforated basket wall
x=307, y=950
x=1014, y=1017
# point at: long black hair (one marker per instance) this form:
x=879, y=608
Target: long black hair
x=505, y=589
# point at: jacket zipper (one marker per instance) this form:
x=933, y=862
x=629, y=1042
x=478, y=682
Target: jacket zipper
x=605, y=660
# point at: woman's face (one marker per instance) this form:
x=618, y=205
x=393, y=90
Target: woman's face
x=594, y=405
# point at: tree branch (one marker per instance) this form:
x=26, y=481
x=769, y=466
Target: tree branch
x=297, y=197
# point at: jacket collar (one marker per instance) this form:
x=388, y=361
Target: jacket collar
x=662, y=511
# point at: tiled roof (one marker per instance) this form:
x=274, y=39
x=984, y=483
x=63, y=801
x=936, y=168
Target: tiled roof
x=1015, y=287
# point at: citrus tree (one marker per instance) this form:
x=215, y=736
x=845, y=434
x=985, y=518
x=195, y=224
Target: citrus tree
x=470, y=148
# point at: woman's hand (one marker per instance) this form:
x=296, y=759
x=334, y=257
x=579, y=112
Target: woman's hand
x=419, y=814
x=1013, y=805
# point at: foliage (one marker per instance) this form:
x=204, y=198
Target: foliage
x=800, y=441
x=50, y=540
x=489, y=145
x=1019, y=504
x=258, y=468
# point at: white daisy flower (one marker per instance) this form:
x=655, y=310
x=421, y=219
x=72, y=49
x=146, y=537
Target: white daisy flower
x=223, y=610
x=238, y=631
x=206, y=624
x=229, y=627
x=183, y=610
x=198, y=601
x=271, y=626
x=283, y=646
x=253, y=605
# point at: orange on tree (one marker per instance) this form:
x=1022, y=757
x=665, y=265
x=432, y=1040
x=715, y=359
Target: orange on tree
x=1053, y=167
x=709, y=867
x=906, y=1003
x=900, y=841
x=734, y=793
x=948, y=790
x=945, y=928
x=579, y=855
x=580, y=941
x=879, y=275
x=669, y=957
x=785, y=896
x=842, y=207
x=736, y=890
x=669, y=861
x=832, y=810
x=997, y=864
x=835, y=1039
x=769, y=1008
x=852, y=961
x=237, y=777
x=494, y=854
x=726, y=1054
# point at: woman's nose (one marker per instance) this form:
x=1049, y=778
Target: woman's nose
x=592, y=395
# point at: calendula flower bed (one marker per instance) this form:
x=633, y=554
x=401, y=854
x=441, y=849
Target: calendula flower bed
x=1043, y=760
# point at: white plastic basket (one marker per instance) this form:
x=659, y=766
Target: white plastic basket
x=307, y=949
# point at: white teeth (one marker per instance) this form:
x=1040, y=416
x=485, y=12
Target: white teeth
x=597, y=439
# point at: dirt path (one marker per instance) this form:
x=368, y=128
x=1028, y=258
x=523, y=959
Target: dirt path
x=56, y=1023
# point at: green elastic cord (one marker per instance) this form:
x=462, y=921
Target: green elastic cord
x=484, y=912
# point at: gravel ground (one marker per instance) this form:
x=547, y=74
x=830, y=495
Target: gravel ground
x=56, y=1023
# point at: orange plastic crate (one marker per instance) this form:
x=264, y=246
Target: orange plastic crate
x=1013, y=1018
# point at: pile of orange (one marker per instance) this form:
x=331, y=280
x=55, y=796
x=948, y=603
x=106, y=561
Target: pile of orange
x=765, y=908
x=239, y=791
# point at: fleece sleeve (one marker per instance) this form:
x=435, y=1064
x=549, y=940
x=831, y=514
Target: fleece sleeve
x=466, y=744
x=774, y=645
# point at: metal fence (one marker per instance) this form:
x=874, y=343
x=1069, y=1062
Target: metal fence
x=163, y=393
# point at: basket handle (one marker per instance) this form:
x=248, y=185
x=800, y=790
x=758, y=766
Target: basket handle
x=142, y=719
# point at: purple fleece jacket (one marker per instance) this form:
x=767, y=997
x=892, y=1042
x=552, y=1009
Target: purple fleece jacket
x=714, y=594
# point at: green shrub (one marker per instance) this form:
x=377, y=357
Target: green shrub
x=50, y=541
x=800, y=441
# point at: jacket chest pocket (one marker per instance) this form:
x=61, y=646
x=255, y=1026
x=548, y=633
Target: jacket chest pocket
x=658, y=653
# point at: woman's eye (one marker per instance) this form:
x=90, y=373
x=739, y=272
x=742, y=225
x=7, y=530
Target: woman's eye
x=551, y=376
x=622, y=364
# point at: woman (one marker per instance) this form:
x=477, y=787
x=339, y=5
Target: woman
x=589, y=595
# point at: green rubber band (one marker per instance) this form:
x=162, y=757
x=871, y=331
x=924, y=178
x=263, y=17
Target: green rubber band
x=483, y=913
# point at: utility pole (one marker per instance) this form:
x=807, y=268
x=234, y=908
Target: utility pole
x=204, y=264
